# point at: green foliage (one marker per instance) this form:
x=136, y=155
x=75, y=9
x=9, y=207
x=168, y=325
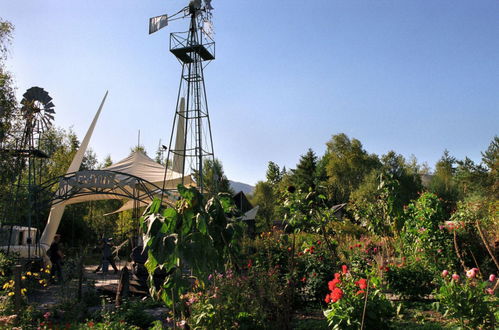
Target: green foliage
x=347, y=299
x=305, y=176
x=442, y=183
x=193, y=234
x=314, y=264
x=490, y=158
x=469, y=302
x=378, y=202
x=274, y=174
x=265, y=198
x=411, y=281
x=271, y=249
x=347, y=166
x=255, y=300
x=469, y=212
x=424, y=233
x=214, y=179
x=130, y=313
x=6, y=264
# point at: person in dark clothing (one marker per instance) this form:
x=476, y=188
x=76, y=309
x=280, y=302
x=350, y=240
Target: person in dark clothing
x=55, y=254
x=107, y=257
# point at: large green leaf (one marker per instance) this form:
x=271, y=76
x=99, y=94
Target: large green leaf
x=171, y=220
x=154, y=224
x=201, y=223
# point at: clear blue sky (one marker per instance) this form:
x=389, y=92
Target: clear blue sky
x=413, y=76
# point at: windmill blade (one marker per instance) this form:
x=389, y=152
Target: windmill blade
x=49, y=116
x=35, y=93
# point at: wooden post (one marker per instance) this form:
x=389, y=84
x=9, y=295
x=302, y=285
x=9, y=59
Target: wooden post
x=123, y=286
x=17, y=288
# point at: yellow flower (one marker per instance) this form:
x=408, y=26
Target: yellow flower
x=5, y=286
x=41, y=281
x=47, y=271
x=11, y=294
x=36, y=274
x=28, y=274
x=41, y=269
x=23, y=278
x=23, y=291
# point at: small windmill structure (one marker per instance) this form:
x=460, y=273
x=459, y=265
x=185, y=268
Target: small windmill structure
x=190, y=140
x=20, y=219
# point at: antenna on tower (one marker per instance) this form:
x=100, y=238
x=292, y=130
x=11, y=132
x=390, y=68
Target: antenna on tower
x=191, y=141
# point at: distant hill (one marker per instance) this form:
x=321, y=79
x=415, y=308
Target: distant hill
x=239, y=186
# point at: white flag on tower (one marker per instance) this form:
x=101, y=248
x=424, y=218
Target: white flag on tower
x=158, y=22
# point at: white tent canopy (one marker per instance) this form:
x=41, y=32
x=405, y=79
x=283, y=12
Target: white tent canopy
x=137, y=164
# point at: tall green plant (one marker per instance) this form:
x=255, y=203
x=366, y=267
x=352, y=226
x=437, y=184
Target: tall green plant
x=424, y=232
x=192, y=235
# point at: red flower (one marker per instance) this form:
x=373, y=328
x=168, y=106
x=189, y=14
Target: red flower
x=344, y=269
x=362, y=283
x=332, y=284
x=336, y=294
x=327, y=299
x=360, y=292
x=91, y=324
x=303, y=279
x=337, y=276
x=319, y=242
x=250, y=264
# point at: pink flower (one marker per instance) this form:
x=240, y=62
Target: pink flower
x=455, y=277
x=46, y=315
x=445, y=273
x=471, y=273
x=490, y=291
x=492, y=277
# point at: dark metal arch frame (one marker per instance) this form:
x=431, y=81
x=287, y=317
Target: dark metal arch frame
x=105, y=182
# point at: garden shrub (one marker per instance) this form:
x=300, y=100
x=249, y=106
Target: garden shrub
x=271, y=249
x=252, y=301
x=425, y=235
x=472, y=301
x=411, y=280
x=346, y=302
x=314, y=264
x=361, y=254
x=130, y=312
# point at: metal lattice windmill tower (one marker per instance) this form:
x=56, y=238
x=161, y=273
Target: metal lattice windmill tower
x=191, y=139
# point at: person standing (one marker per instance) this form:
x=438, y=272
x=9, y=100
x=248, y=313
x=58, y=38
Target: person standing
x=107, y=257
x=55, y=254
